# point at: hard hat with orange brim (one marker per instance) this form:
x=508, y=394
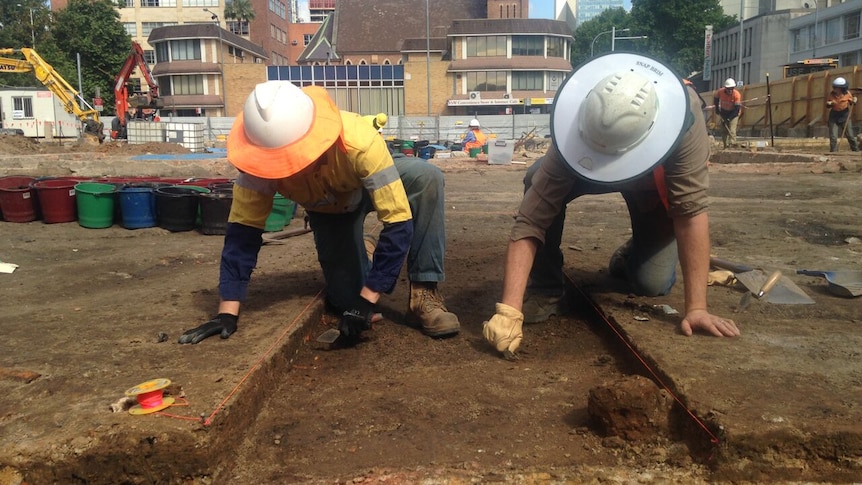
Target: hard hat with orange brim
x=282, y=129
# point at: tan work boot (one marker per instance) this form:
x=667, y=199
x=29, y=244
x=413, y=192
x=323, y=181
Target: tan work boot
x=427, y=308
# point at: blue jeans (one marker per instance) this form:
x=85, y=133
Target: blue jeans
x=341, y=248
x=651, y=263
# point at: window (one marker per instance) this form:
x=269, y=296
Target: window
x=130, y=3
x=277, y=7
x=851, y=27
x=527, y=81
x=833, y=30
x=238, y=27
x=489, y=46
x=162, y=52
x=147, y=27
x=556, y=47
x=528, y=45
x=187, y=85
x=486, y=81
x=23, y=105
x=277, y=34
x=150, y=56
x=200, y=3
x=130, y=28
x=306, y=38
x=158, y=3
x=185, y=50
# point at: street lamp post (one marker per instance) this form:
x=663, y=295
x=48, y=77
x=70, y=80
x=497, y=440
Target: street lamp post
x=221, y=58
x=32, y=28
x=614, y=38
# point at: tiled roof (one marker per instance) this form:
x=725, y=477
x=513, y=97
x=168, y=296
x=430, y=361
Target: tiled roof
x=510, y=26
x=381, y=25
x=205, y=31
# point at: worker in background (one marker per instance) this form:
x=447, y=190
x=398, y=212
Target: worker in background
x=297, y=143
x=378, y=121
x=840, y=103
x=638, y=131
x=474, y=137
x=728, y=105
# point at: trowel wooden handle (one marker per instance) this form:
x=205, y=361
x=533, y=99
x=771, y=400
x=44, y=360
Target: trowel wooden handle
x=769, y=284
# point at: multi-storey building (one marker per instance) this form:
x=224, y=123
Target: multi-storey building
x=587, y=9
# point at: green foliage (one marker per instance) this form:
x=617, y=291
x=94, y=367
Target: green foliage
x=239, y=10
x=674, y=29
x=92, y=29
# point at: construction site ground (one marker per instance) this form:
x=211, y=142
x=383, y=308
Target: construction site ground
x=91, y=313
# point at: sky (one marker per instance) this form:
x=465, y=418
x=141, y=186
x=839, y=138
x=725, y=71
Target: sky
x=544, y=9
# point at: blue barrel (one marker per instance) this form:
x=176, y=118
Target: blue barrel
x=138, y=207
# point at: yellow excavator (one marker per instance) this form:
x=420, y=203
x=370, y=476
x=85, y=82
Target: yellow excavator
x=51, y=79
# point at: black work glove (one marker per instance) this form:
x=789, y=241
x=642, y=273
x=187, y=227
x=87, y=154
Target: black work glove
x=354, y=322
x=223, y=324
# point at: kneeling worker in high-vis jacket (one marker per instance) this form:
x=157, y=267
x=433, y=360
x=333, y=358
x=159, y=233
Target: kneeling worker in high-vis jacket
x=334, y=164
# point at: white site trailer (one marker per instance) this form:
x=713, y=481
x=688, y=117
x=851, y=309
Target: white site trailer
x=38, y=113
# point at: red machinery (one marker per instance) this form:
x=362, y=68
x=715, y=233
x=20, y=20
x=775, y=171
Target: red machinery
x=138, y=105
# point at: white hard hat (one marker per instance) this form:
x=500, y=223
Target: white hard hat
x=618, y=113
x=613, y=104
x=839, y=82
x=730, y=83
x=276, y=114
x=474, y=123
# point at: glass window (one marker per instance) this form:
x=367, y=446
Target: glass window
x=130, y=3
x=162, y=52
x=833, y=30
x=556, y=47
x=528, y=45
x=130, y=28
x=150, y=56
x=158, y=3
x=528, y=81
x=24, y=105
x=147, y=27
x=184, y=85
x=200, y=3
x=238, y=27
x=851, y=26
x=185, y=50
x=277, y=7
x=486, y=81
x=487, y=46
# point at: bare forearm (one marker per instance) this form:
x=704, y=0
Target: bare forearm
x=692, y=235
x=519, y=260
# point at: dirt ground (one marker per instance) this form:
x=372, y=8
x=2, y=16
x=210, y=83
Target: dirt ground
x=94, y=312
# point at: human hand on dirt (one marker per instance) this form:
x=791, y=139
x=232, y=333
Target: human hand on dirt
x=224, y=324
x=702, y=320
x=503, y=330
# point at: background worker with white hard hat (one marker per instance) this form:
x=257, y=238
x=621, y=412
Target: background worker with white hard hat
x=727, y=102
x=840, y=103
x=474, y=137
x=297, y=143
x=621, y=123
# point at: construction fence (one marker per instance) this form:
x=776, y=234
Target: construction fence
x=794, y=107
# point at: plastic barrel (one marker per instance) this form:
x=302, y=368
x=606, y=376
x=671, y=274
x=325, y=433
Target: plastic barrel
x=474, y=152
x=95, y=203
x=17, y=199
x=215, y=209
x=177, y=207
x=278, y=217
x=485, y=148
x=138, y=207
x=57, y=199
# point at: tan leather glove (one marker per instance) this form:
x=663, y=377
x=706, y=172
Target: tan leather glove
x=854, y=100
x=830, y=103
x=503, y=330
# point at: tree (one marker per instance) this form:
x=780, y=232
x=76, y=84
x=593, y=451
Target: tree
x=92, y=29
x=593, y=37
x=16, y=32
x=676, y=29
x=241, y=11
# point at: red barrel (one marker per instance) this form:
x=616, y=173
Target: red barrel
x=57, y=200
x=17, y=199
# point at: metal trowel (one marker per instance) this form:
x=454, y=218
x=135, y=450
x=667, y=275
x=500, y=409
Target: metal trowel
x=761, y=292
x=329, y=336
